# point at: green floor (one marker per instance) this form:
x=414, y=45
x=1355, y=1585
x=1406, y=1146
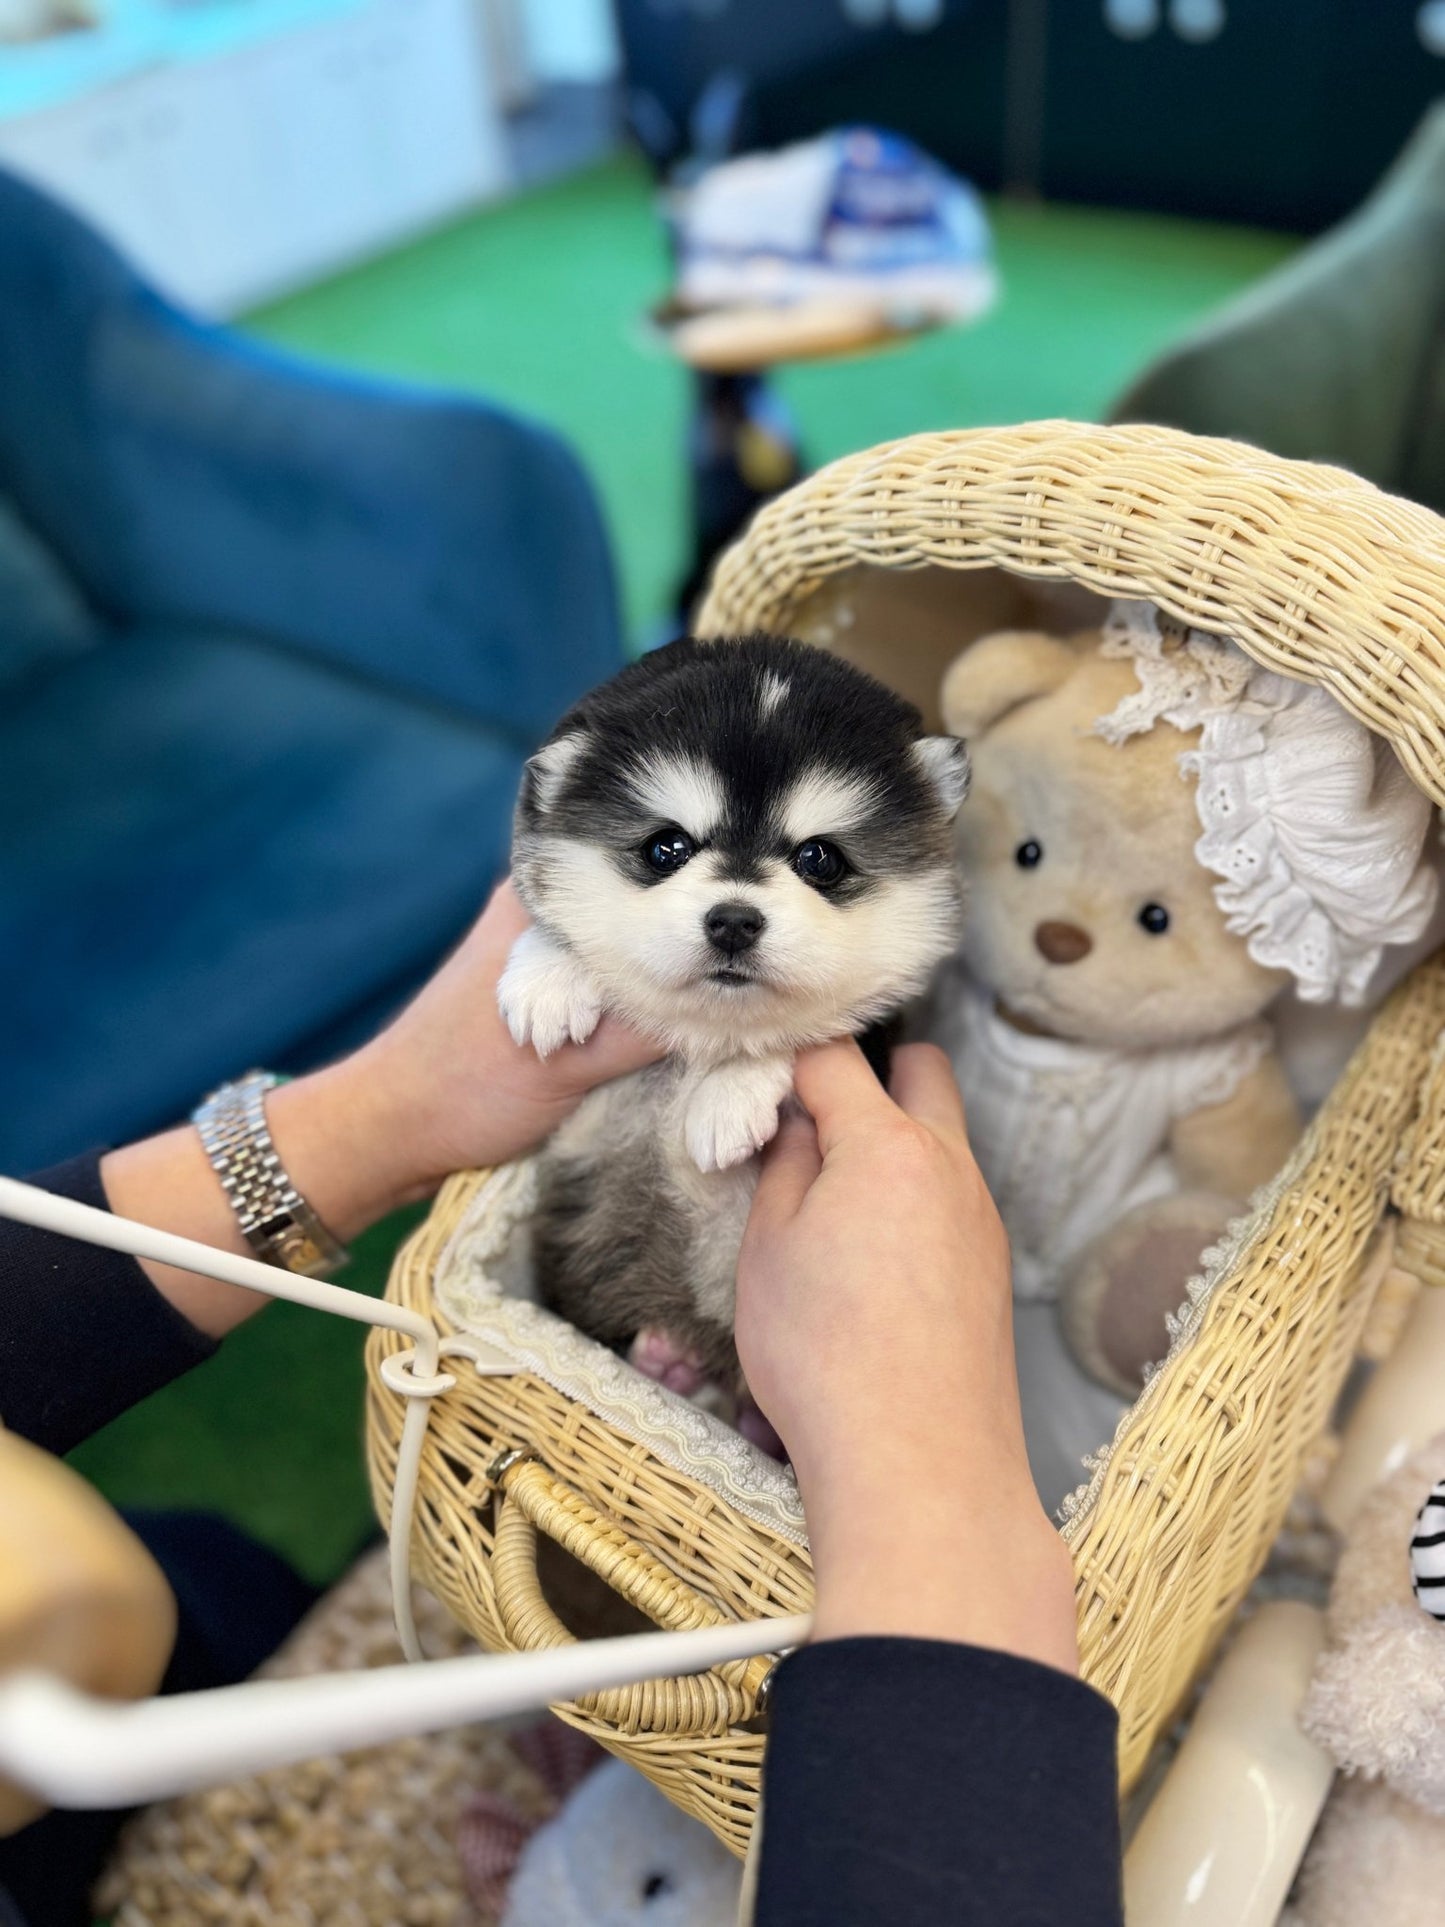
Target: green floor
x=536, y=303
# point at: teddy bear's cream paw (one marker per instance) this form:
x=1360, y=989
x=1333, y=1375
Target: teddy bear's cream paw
x=733, y=1112
x=1116, y=1304
x=545, y=996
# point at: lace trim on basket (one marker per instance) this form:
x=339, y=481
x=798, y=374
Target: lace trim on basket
x=1217, y=1263
x=692, y=1441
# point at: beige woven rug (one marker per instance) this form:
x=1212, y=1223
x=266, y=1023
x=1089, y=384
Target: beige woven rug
x=366, y=1839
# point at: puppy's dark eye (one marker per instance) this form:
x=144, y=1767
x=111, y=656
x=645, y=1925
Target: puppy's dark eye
x=1154, y=918
x=668, y=851
x=818, y=862
x=1029, y=855
x=655, y=1885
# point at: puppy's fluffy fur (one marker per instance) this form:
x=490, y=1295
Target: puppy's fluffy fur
x=741, y=848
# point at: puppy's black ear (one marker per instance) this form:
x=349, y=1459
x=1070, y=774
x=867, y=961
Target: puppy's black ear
x=546, y=773
x=944, y=761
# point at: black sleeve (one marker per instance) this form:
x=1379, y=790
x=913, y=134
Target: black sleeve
x=916, y=1783
x=83, y=1332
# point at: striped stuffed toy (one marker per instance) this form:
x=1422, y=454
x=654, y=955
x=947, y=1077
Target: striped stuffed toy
x=1427, y=1553
x=1377, y=1704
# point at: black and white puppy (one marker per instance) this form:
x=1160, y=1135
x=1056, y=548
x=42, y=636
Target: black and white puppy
x=741, y=848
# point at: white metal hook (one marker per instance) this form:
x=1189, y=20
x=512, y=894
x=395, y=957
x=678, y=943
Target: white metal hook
x=28, y=1204
x=76, y=1751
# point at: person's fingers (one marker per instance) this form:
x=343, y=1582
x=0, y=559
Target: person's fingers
x=922, y=1083
x=483, y=951
x=790, y=1168
x=837, y=1084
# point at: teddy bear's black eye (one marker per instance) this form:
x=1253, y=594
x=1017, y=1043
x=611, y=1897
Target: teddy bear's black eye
x=818, y=862
x=1154, y=918
x=668, y=851
x=1029, y=855
x=655, y=1884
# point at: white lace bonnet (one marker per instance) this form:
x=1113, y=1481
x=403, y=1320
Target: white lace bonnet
x=1314, y=830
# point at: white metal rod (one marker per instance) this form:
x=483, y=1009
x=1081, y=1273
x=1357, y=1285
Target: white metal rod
x=75, y=1751
x=403, y=1510
x=30, y=1205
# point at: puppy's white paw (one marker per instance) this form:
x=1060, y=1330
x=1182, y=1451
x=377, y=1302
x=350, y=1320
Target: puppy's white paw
x=733, y=1112
x=547, y=999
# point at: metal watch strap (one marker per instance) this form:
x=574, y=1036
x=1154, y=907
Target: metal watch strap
x=277, y=1222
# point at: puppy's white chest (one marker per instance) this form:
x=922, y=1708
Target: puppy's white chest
x=712, y=1205
x=715, y=1204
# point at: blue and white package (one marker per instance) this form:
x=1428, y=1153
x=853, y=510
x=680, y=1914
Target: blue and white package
x=859, y=217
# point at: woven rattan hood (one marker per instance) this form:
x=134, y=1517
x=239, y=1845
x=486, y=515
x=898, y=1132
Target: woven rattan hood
x=1311, y=570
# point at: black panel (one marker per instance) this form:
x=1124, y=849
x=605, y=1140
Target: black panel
x=808, y=68
x=1380, y=83
x=1287, y=117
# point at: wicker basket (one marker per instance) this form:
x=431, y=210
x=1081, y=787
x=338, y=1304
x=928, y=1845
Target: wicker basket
x=1315, y=573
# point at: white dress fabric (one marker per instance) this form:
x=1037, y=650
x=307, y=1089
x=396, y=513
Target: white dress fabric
x=1069, y=1420
x=1069, y=1136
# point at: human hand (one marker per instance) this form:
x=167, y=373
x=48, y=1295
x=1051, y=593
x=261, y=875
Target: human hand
x=444, y=1088
x=874, y=1324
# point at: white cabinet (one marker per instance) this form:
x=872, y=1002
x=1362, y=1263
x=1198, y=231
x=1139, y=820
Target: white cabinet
x=231, y=178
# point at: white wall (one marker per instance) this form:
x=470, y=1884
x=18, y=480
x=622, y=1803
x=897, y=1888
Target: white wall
x=231, y=179
x=571, y=40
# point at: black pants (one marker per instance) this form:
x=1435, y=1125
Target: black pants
x=237, y=1603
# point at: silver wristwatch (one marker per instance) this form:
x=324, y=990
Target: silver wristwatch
x=278, y=1223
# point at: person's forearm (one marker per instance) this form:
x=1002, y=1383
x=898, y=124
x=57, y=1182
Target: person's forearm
x=341, y=1147
x=941, y=1538
x=920, y=1782
x=444, y=1088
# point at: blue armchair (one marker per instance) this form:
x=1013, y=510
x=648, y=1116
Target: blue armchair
x=273, y=646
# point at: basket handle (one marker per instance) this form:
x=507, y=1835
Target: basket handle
x=530, y=1499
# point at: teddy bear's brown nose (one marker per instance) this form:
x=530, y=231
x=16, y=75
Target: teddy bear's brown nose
x=1063, y=943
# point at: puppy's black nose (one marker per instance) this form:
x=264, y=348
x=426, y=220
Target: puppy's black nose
x=733, y=927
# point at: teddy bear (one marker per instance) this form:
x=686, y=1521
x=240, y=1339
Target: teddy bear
x=1161, y=837
x=1376, y=1703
